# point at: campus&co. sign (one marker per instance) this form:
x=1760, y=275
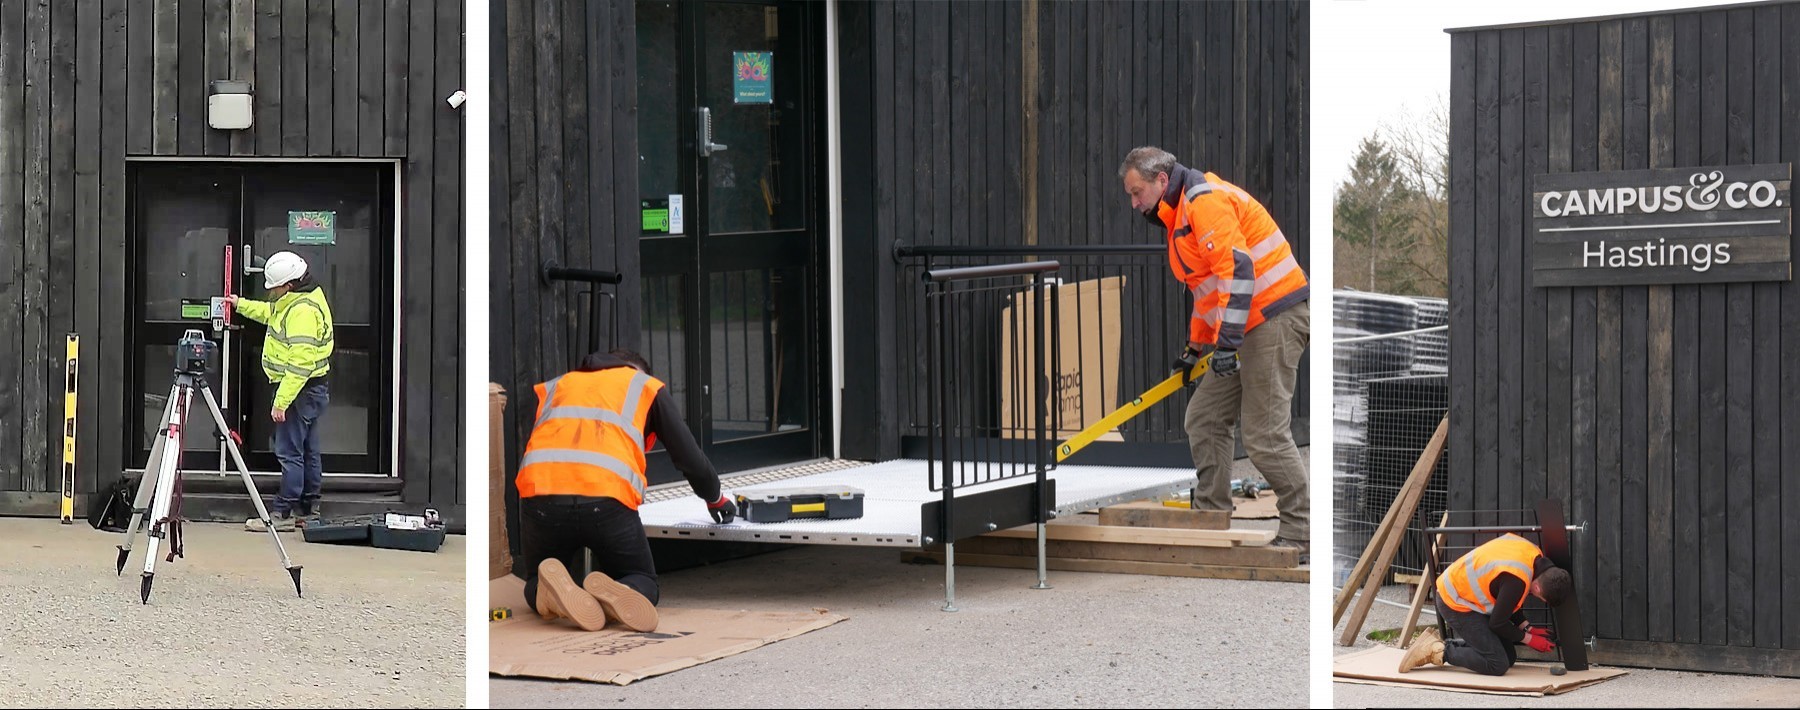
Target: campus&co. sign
x=1665, y=226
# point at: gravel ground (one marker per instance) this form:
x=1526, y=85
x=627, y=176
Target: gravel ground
x=1100, y=640
x=1638, y=688
x=377, y=628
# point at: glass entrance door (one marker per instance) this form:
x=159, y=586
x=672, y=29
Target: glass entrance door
x=730, y=248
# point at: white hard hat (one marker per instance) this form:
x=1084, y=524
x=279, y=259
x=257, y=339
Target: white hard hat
x=283, y=267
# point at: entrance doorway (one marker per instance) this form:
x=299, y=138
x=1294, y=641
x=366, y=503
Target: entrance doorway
x=731, y=250
x=183, y=216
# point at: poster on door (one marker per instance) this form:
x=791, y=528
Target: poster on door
x=750, y=77
x=312, y=227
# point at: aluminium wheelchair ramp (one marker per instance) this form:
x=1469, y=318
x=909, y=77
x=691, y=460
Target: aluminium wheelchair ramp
x=894, y=496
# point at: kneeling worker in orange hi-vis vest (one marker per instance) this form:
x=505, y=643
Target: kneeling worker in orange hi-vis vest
x=581, y=480
x=1480, y=595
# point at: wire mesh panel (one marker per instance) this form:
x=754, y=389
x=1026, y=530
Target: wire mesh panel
x=1390, y=391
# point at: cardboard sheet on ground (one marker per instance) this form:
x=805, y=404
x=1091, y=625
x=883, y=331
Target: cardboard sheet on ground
x=1263, y=508
x=526, y=645
x=1377, y=666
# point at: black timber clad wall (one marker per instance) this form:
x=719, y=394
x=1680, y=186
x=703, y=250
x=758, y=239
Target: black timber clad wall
x=1661, y=415
x=564, y=167
x=932, y=129
x=934, y=137
x=84, y=85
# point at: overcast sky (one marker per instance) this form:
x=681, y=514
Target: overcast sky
x=1373, y=58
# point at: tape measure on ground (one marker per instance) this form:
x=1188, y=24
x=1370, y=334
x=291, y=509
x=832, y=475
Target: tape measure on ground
x=499, y=613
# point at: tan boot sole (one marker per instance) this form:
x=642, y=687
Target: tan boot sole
x=621, y=602
x=558, y=596
x=1425, y=650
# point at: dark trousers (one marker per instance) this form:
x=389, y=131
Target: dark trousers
x=297, y=447
x=560, y=526
x=1484, y=652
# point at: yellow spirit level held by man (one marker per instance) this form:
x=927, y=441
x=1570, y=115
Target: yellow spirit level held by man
x=1136, y=406
x=68, y=466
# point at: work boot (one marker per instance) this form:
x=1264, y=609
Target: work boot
x=558, y=596
x=621, y=602
x=1301, y=545
x=1428, y=648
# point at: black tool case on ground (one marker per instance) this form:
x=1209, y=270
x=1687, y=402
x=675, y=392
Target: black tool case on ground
x=352, y=530
x=774, y=505
x=424, y=539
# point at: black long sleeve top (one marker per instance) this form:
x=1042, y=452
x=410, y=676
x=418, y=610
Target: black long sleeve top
x=1506, y=591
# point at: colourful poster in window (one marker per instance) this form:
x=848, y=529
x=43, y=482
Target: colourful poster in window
x=312, y=227
x=750, y=73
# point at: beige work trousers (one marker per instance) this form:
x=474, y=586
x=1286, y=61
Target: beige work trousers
x=1263, y=392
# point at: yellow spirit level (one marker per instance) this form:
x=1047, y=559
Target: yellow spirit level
x=1136, y=406
x=68, y=466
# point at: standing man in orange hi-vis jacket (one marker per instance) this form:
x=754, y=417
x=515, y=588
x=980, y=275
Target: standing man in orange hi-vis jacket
x=581, y=480
x=1250, y=312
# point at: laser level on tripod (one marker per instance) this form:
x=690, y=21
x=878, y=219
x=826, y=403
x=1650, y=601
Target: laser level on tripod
x=156, y=511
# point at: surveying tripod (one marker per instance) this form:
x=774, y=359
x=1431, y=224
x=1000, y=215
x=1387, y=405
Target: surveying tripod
x=159, y=493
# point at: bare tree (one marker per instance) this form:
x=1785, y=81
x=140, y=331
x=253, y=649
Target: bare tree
x=1391, y=219
x=1420, y=141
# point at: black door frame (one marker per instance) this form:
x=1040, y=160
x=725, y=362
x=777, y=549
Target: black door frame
x=683, y=256
x=376, y=338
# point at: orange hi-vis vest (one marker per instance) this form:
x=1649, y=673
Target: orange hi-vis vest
x=589, y=437
x=1227, y=250
x=1464, y=585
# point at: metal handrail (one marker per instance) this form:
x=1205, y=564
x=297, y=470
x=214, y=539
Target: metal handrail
x=989, y=271
x=926, y=251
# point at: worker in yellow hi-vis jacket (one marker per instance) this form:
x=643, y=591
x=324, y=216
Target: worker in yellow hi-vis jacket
x=296, y=356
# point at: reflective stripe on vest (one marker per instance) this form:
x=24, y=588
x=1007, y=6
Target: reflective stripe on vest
x=588, y=458
x=1464, y=585
x=621, y=419
x=579, y=446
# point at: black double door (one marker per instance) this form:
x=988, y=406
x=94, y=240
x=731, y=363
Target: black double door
x=184, y=216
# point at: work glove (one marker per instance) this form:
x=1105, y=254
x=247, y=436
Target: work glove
x=723, y=510
x=1539, y=632
x=1224, y=363
x=1185, y=365
x=1541, y=644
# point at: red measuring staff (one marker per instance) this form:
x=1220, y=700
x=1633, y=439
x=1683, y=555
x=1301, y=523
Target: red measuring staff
x=228, y=284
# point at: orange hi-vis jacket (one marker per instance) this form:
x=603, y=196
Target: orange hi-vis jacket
x=1465, y=583
x=589, y=438
x=1227, y=250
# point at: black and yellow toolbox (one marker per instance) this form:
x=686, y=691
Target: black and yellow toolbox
x=779, y=505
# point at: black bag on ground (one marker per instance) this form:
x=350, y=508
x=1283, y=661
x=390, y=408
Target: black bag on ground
x=109, y=509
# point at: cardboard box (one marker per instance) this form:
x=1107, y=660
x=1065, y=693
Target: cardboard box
x=499, y=549
x=1087, y=385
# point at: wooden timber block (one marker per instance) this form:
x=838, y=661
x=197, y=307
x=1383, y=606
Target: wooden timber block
x=1133, y=552
x=1076, y=529
x=1152, y=514
x=1262, y=574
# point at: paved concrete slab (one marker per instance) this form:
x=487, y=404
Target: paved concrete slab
x=377, y=628
x=1102, y=640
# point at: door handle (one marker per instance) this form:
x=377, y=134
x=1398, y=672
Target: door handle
x=252, y=264
x=707, y=147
